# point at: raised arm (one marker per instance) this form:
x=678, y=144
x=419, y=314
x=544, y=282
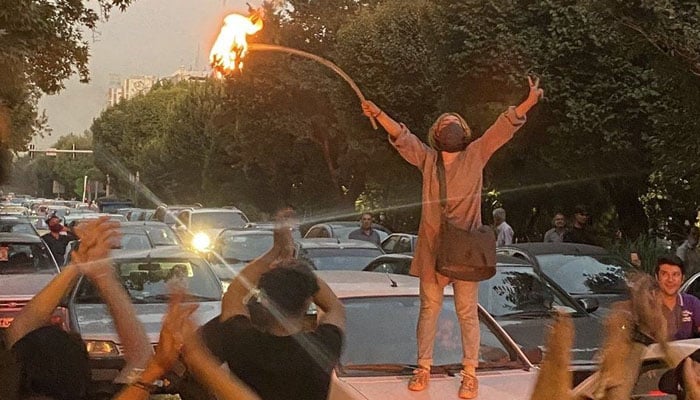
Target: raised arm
x=283, y=247
x=178, y=329
x=533, y=97
x=38, y=311
x=392, y=127
x=328, y=302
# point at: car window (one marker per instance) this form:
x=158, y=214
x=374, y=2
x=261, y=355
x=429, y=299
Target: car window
x=318, y=232
x=25, y=258
x=161, y=235
x=339, y=259
x=149, y=281
x=135, y=241
x=217, y=220
x=404, y=245
x=17, y=226
x=585, y=274
x=519, y=290
x=390, y=243
x=244, y=247
x=694, y=288
x=381, y=330
x=400, y=267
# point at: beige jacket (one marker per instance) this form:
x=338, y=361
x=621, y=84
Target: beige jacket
x=464, y=179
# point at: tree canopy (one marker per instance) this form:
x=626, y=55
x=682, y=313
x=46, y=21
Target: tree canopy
x=616, y=131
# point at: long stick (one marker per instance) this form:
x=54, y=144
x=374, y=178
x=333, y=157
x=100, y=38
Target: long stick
x=327, y=63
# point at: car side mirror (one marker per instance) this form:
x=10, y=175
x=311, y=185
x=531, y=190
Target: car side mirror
x=589, y=304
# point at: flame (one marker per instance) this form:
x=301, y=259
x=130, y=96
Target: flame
x=230, y=47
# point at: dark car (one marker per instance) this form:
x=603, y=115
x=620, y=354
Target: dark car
x=146, y=275
x=589, y=274
x=26, y=266
x=336, y=254
x=234, y=248
x=391, y=263
x=400, y=243
x=525, y=305
x=341, y=230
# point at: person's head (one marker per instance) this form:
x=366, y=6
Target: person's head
x=284, y=292
x=581, y=215
x=559, y=220
x=449, y=133
x=366, y=221
x=54, y=223
x=53, y=363
x=669, y=274
x=499, y=215
x=693, y=235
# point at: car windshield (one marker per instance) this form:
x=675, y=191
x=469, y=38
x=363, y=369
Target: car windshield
x=340, y=259
x=26, y=258
x=585, y=274
x=518, y=290
x=217, y=220
x=16, y=226
x=149, y=280
x=135, y=241
x=381, y=331
x=237, y=248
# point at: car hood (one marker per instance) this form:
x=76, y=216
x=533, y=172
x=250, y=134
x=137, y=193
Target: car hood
x=95, y=323
x=532, y=333
x=12, y=286
x=511, y=385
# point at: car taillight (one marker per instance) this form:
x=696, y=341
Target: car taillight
x=60, y=318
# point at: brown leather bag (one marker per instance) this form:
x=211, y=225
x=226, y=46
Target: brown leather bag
x=461, y=254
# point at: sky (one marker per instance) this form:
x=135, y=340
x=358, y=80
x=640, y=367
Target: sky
x=152, y=37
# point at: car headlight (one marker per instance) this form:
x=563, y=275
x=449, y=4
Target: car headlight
x=101, y=348
x=201, y=241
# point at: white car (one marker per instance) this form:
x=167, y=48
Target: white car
x=380, y=345
x=654, y=365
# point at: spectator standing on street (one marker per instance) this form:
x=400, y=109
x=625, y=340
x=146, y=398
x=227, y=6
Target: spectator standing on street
x=57, y=239
x=366, y=232
x=580, y=231
x=689, y=251
x=681, y=310
x=504, y=232
x=556, y=234
x=449, y=143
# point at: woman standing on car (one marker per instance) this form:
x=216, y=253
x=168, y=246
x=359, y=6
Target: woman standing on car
x=464, y=163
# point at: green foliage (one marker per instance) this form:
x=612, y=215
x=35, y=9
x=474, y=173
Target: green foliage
x=617, y=126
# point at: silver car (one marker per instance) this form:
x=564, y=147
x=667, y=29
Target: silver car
x=380, y=348
x=146, y=275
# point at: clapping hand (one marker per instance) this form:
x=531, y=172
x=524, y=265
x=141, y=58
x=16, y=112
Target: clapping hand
x=98, y=237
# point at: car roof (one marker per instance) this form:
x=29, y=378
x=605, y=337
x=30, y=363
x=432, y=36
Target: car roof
x=349, y=284
x=144, y=223
x=333, y=243
x=246, y=232
x=15, y=237
x=558, y=248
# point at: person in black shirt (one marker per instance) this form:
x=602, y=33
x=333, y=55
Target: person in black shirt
x=56, y=239
x=260, y=332
x=580, y=231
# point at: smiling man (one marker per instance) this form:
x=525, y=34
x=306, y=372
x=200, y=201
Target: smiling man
x=681, y=310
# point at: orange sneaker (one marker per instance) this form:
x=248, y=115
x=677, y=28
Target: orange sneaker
x=469, y=387
x=419, y=380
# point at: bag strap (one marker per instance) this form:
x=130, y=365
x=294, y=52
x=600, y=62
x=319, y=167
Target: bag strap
x=442, y=184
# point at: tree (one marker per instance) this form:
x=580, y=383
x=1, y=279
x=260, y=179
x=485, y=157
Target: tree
x=41, y=45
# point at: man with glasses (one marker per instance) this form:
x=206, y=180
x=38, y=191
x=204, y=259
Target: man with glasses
x=580, y=231
x=365, y=232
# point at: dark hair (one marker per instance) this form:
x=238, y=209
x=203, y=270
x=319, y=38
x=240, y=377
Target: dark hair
x=53, y=363
x=671, y=259
x=287, y=288
x=581, y=209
